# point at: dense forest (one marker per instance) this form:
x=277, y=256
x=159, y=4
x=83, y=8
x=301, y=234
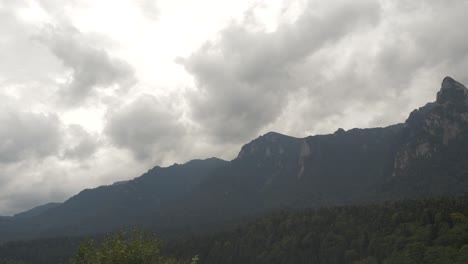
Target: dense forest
x=418, y=231
x=413, y=231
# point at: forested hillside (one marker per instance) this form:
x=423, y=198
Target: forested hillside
x=413, y=231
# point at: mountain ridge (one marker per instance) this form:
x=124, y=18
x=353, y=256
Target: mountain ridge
x=36, y=210
x=426, y=155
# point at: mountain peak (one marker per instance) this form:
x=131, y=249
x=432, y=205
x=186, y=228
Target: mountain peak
x=452, y=91
x=447, y=81
x=266, y=145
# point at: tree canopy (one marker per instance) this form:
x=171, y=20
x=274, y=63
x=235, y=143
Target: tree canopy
x=135, y=247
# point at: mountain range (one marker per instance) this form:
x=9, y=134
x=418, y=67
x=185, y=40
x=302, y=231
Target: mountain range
x=426, y=155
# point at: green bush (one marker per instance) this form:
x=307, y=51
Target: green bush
x=121, y=248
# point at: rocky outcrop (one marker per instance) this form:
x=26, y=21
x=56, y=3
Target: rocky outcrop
x=434, y=143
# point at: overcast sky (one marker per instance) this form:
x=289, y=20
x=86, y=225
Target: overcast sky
x=93, y=92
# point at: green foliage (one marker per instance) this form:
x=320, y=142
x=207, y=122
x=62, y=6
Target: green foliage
x=122, y=248
x=194, y=260
x=431, y=231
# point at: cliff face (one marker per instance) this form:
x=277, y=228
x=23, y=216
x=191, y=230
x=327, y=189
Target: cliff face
x=433, y=153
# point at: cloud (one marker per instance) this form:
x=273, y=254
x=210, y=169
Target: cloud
x=149, y=127
x=43, y=156
x=427, y=38
x=80, y=144
x=92, y=68
x=26, y=135
x=29, y=183
x=24, y=62
x=244, y=77
x=339, y=64
x=12, y=202
x=149, y=8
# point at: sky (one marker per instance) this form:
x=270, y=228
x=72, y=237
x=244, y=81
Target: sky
x=94, y=92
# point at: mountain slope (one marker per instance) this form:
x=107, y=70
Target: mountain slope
x=411, y=231
x=347, y=167
x=277, y=171
x=426, y=155
x=109, y=207
x=37, y=210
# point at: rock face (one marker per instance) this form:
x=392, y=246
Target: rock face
x=426, y=155
x=433, y=153
x=452, y=92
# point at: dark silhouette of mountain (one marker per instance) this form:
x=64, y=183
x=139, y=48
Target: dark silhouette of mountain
x=109, y=207
x=36, y=210
x=426, y=155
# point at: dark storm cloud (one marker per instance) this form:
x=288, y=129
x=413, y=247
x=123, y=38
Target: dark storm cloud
x=91, y=68
x=27, y=135
x=148, y=126
x=244, y=78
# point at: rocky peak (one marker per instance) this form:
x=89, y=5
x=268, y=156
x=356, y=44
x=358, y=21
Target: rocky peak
x=270, y=144
x=340, y=131
x=452, y=91
x=434, y=128
x=452, y=100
